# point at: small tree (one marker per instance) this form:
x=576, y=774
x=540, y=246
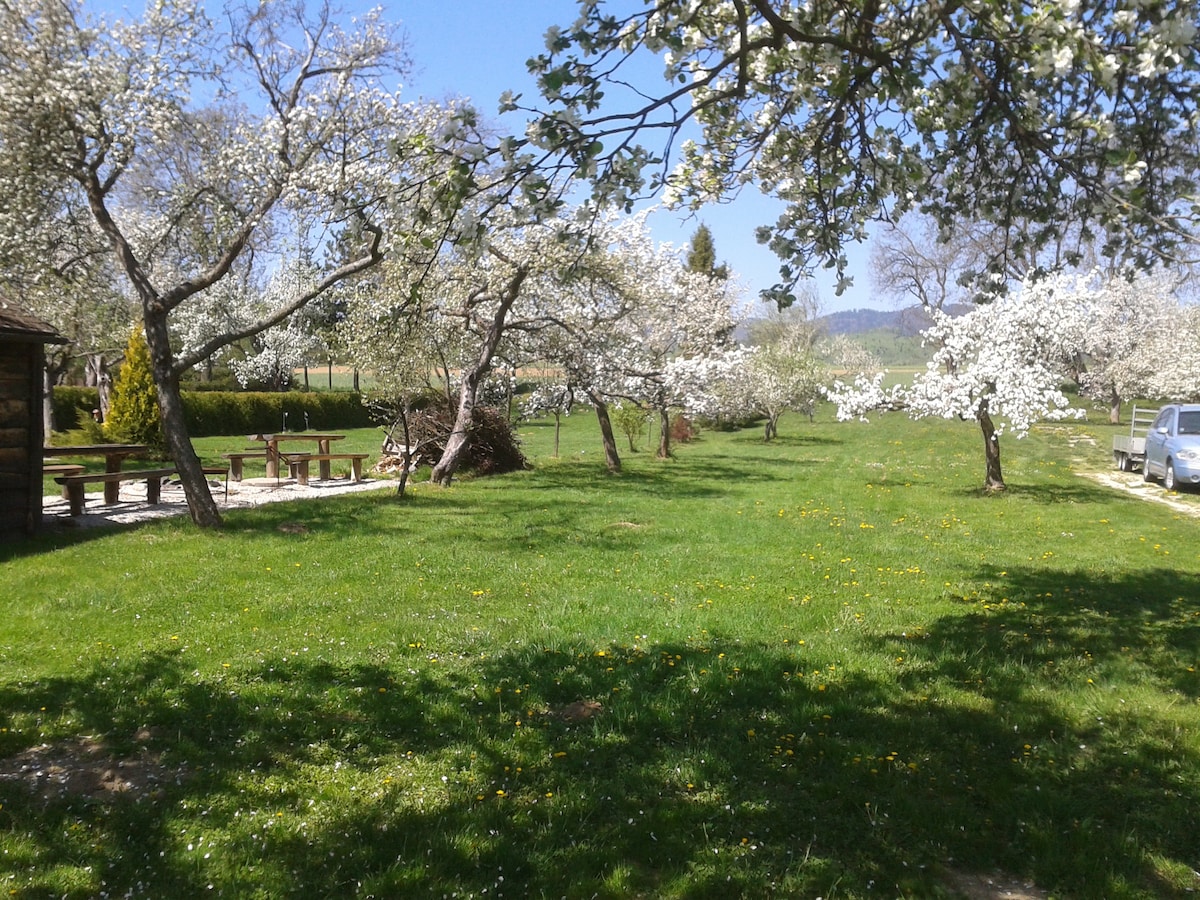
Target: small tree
x=133, y=414
x=1001, y=364
x=632, y=420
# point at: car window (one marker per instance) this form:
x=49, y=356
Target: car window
x=1161, y=420
x=1189, y=421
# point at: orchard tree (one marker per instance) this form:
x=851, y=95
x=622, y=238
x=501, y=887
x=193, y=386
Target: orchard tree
x=912, y=263
x=786, y=373
x=673, y=314
x=500, y=279
x=1131, y=337
x=1081, y=111
x=845, y=354
x=550, y=398
x=1002, y=365
x=278, y=351
x=205, y=150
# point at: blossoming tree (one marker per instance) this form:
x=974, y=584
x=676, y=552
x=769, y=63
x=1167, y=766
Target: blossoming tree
x=1001, y=364
x=205, y=151
x=1137, y=342
x=1026, y=116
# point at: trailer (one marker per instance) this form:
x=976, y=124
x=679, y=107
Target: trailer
x=1129, y=452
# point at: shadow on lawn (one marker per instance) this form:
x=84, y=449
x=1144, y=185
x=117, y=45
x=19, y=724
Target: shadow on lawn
x=710, y=770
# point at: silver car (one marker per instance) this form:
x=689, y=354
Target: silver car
x=1173, y=446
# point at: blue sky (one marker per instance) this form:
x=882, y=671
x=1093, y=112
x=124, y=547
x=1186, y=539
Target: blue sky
x=478, y=49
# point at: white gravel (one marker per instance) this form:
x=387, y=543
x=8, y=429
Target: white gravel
x=133, y=507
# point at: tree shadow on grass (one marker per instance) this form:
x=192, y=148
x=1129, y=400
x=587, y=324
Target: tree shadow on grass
x=711, y=769
x=1075, y=491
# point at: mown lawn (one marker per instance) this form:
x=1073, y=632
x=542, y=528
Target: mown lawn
x=823, y=667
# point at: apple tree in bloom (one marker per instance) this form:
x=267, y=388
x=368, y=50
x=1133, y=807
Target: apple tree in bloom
x=210, y=149
x=1131, y=338
x=788, y=372
x=589, y=345
x=1026, y=117
x=680, y=323
x=1000, y=365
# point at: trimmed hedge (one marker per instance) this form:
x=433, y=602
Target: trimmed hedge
x=242, y=412
x=255, y=412
x=69, y=402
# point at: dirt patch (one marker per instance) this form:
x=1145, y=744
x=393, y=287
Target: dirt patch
x=85, y=768
x=993, y=887
x=1131, y=483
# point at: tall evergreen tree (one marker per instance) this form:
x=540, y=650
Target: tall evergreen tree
x=702, y=257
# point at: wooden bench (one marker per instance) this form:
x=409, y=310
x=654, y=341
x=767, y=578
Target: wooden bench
x=298, y=463
x=63, y=469
x=235, y=461
x=74, y=484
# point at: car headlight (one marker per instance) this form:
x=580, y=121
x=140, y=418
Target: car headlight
x=1188, y=454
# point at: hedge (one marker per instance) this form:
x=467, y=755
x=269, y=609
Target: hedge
x=243, y=412
x=69, y=402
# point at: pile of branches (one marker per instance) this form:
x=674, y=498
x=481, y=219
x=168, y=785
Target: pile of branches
x=494, y=448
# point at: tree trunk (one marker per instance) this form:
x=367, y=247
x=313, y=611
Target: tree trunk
x=557, y=430
x=772, y=427
x=664, y=433
x=460, y=437
x=355, y=380
x=331, y=375
x=201, y=505
x=1114, y=407
x=991, y=451
x=612, y=459
x=406, y=457
x=306, y=385
x=47, y=406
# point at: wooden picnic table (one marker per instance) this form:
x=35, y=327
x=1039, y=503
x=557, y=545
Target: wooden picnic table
x=272, y=441
x=114, y=456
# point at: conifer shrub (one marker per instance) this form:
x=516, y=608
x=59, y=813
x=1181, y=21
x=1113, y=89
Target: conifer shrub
x=134, y=416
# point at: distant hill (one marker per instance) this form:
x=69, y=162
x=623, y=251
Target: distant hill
x=909, y=321
x=893, y=336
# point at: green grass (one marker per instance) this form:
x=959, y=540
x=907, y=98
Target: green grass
x=827, y=667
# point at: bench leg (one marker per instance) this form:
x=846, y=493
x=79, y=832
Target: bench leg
x=300, y=469
x=356, y=470
x=324, y=468
x=75, y=498
x=235, y=468
x=153, y=490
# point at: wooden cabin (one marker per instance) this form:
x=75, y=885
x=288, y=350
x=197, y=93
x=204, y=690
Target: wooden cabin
x=22, y=355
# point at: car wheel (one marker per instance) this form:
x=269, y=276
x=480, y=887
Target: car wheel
x=1169, y=478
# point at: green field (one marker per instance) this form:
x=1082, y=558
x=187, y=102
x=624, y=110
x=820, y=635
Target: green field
x=824, y=667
